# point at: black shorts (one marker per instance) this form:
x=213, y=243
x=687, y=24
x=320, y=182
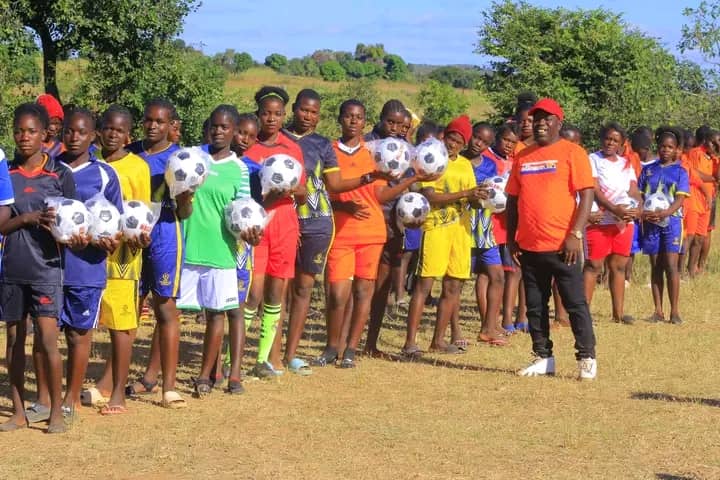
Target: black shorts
x=312, y=253
x=392, y=251
x=19, y=300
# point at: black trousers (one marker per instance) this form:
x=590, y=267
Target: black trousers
x=538, y=271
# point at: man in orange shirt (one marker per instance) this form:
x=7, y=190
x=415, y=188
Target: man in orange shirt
x=699, y=165
x=546, y=236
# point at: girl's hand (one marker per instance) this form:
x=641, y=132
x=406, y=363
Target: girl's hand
x=378, y=175
x=78, y=242
x=252, y=236
x=139, y=242
x=357, y=210
x=109, y=244
x=300, y=190
x=427, y=177
x=631, y=214
x=595, y=217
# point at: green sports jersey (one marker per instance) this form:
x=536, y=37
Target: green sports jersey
x=207, y=241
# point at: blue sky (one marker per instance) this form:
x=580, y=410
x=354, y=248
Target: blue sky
x=421, y=31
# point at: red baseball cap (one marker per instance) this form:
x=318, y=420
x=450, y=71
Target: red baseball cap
x=550, y=106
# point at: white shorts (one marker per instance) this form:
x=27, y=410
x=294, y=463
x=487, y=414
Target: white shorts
x=207, y=287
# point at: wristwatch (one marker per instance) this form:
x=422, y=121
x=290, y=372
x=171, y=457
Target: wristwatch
x=577, y=234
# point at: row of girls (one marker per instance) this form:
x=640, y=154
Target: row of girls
x=339, y=222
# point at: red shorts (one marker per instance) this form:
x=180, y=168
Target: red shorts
x=275, y=255
x=353, y=261
x=696, y=223
x=604, y=240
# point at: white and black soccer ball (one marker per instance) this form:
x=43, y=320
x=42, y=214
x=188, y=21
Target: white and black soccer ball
x=656, y=202
x=393, y=156
x=412, y=209
x=106, y=220
x=137, y=218
x=243, y=214
x=431, y=157
x=280, y=172
x=71, y=218
x=187, y=169
x=497, y=198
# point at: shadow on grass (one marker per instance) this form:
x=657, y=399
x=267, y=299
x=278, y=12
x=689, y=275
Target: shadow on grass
x=670, y=476
x=666, y=397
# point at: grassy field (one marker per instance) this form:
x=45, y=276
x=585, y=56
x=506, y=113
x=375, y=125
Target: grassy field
x=652, y=413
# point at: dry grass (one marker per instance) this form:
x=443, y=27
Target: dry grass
x=653, y=411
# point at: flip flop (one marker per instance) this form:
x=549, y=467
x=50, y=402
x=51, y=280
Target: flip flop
x=37, y=413
x=300, y=367
x=11, y=427
x=93, y=397
x=172, y=400
x=411, y=353
x=493, y=341
x=462, y=344
x=448, y=350
x=148, y=388
x=110, y=410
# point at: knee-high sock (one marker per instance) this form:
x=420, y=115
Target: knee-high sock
x=271, y=315
x=248, y=316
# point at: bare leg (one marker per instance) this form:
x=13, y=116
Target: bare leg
x=673, y=282
x=704, y=252
x=448, y=300
x=362, y=297
x=47, y=336
x=336, y=305
x=377, y=308
x=616, y=266
x=302, y=287
x=15, y=362
x=656, y=283
x=695, y=243
x=496, y=280
x=510, y=296
x=237, y=341
x=591, y=271
x=122, y=341
x=212, y=342
x=169, y=339
x=78, y=342
x=39, y=362
x=423, y=285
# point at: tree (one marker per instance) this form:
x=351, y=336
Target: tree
x=440, y=102
x=395, y=68
x=457, y=77
x=136, y=28
x=332, y=71
x=277, y=62
x=193, y=82
x=591, y=61
x=242, y=62
x=370, y=53
x=703, y=32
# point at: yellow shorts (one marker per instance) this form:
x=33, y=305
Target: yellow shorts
x=446, y=250
x=119, y=308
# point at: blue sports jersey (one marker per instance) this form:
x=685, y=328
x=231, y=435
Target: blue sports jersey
x=87, y=267
x=254, y=171
x=671, y=179
x=6, y=190
x=481, y=219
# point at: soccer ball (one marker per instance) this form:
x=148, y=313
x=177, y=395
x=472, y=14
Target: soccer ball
x=412, y=209
x=392, y=156
x=186, y=170
x=431, y=157
x=243, y=214
x=137, y=218
x=497, y=199
x=656, y=202
x=71, y=218
x=280, y=172
x=106, y=221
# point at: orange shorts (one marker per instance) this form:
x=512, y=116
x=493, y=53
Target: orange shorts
x=696, y=223
x=346, y=262
x=275, y=254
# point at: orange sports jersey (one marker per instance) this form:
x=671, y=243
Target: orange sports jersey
x=545, y=181
x=519, y=147
x=700, y=159
x=696, y=201
x=634, y=159
x=348, y=229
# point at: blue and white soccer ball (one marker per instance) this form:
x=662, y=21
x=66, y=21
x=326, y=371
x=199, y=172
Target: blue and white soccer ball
x=392, y=156
x=106, y=220
x=497, y=198
x=431, y=157
x=280, y=172
x=412, y=209
x=137, y=218
x=72, y=218
x=244, y=214
x=186, y=170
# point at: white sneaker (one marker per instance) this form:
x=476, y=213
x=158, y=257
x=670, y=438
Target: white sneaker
x=587, y=369
x=539, y=366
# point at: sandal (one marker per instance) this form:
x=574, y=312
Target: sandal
x=110, y=410
x=203, y=387
x=172, y=400
x=656, y=318
x=450, y=349
x=132, y=391
x=37, y=413
x=411, y=353
x=93, y=397
x=11, y=427
x=235, y=386
x=300, y=367
x=462, y=344
x=493, y=341
x=347, y=363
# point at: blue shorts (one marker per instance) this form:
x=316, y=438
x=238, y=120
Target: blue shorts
x=412, y=239
x=163, y=260
x=312, y=252
x=635, y=248
x=656, y=239
x=485, y=257
x=507, y=261
x=81, y=307
x=244, y=268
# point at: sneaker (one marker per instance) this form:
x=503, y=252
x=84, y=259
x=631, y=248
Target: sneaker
x=587, y=369
x=539, y=366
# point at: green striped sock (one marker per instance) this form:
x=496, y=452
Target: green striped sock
x=271, y=315
x=248, y=316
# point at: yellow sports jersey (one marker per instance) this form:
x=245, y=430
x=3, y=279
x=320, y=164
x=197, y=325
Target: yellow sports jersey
x=459, y=176
x=134, y=175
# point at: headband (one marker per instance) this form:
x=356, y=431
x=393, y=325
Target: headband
x=271, y=94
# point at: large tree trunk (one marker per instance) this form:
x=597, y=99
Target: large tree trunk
x=49, y=62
